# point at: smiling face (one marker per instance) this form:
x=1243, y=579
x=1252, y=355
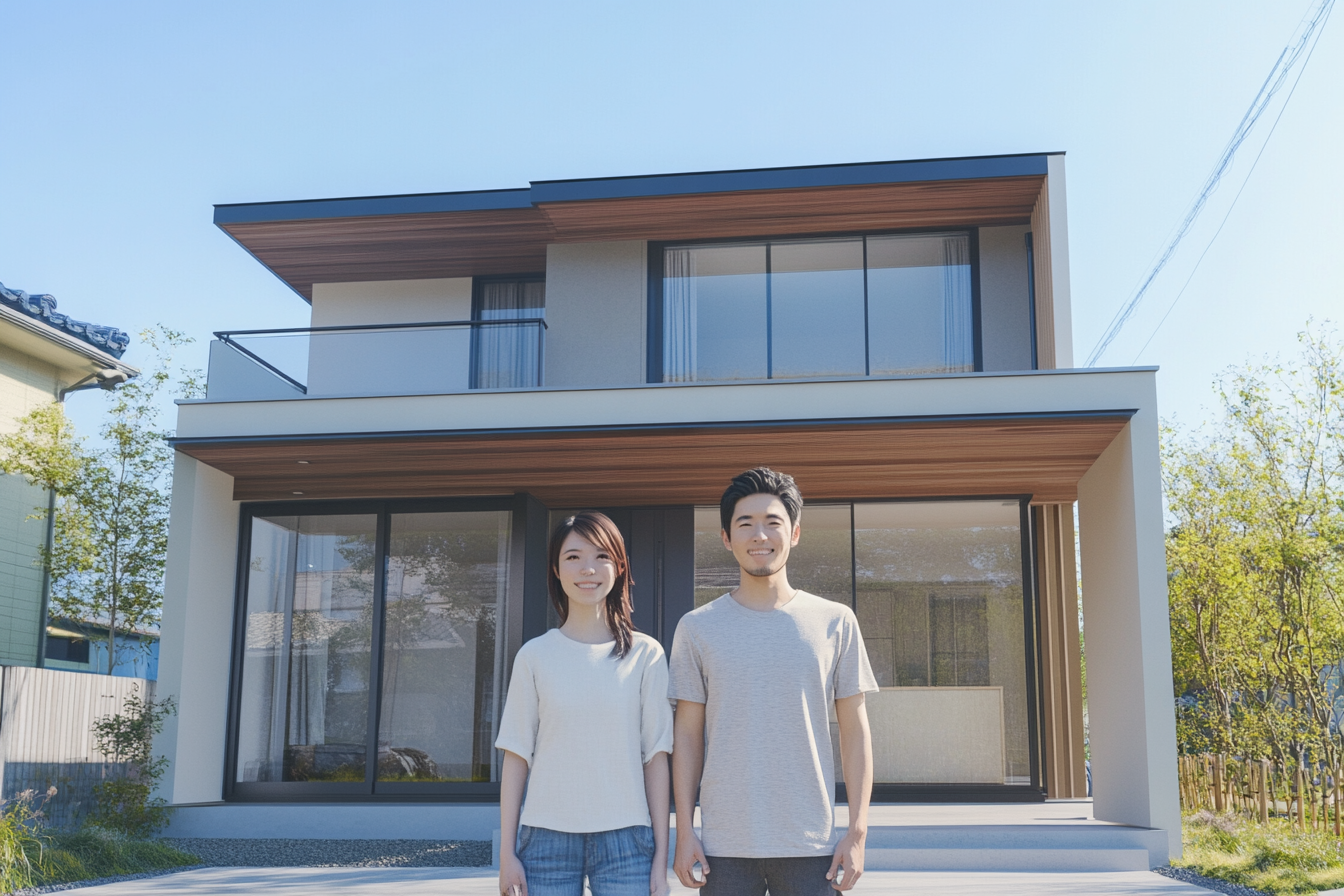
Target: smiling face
x=761, y=535
x=586, y=572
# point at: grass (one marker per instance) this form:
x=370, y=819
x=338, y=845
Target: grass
x=1270, y=857
x=33, y=857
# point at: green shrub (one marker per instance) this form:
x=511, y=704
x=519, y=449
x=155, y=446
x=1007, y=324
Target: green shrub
x=1272, y=857
x=125, y=804
x=23, y=855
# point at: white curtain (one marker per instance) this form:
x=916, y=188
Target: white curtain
x=679, y=316
x=508, y=356
x=958, y=339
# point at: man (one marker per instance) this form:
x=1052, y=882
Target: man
x=754, y=675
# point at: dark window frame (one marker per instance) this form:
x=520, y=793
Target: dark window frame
x=476, y=284
x=1035, y=790
x=654, y=299
x=526, y=594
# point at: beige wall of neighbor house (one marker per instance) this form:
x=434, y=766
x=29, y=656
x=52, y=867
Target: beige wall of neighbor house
x=26, y=383
x=596, y=309
x=390, y=362
x=1005, y=299
x=1130, y=709
x=197, y=630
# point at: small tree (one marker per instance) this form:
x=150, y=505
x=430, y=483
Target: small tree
x=1256, y=560
x=111, y=528
x=125, y=803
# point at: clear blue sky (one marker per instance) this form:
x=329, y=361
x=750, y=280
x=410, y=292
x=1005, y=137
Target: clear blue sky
x=124, y=122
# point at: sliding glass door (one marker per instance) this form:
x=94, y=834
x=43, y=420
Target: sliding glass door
x=938, y=590
x=371, y=651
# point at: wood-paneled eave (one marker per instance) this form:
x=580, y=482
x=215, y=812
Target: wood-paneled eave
x=842, y=209
x=398, y=247
x=1043, y=458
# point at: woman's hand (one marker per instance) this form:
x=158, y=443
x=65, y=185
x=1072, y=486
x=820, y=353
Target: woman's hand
x=658, y=885
x=512, y=880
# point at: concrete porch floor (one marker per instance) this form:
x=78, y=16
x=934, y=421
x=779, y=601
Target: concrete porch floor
x=483, y=882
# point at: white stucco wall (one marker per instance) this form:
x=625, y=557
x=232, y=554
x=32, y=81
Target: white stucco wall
x=1059, y=262
x=197, y=630
x=1005, y=312
x=391, y=361
x=596, y=306
x=1131, y=709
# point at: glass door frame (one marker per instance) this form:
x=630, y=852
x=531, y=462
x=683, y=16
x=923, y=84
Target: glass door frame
x=526, y=594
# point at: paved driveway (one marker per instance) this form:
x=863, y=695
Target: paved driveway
x=481, y=882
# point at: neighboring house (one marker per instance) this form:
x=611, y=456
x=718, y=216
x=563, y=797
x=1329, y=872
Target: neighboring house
x=77, y=646
x=361, y=508
x=44, y=355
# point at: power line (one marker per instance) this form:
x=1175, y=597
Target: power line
x=1275, y=80
x=1272, y=128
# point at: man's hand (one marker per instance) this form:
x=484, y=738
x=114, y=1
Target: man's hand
x=512, y=880
x=689, y=851
x=847, y=865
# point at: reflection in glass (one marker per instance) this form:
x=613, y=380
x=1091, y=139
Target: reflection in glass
x=816, y=309
x=919, y=304
x=305, y=687
x=822, y=563
x=939, y=601
x=714, y=313
x=442, y=662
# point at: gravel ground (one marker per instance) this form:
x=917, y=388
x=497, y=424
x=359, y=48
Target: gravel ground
x=336, y=853
x=307, y=853
x=1185, y=875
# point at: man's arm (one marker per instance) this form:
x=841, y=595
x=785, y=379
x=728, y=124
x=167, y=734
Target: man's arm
x=856, y=763
x=688, y=763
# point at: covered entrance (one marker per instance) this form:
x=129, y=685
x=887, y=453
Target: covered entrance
x=350, y=609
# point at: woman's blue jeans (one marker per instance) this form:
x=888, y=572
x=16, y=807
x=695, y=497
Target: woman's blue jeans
x=616, y=863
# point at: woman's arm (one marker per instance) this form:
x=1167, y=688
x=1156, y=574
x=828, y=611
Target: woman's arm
x=657, y=784
x=512, y=778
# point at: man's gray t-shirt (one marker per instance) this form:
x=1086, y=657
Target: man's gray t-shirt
x=768, y=681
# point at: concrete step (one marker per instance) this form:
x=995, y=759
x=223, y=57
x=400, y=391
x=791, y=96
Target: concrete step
x=1039, y=848
x=1017, y=859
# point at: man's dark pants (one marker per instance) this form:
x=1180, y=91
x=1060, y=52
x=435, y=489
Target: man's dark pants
x=791, y=876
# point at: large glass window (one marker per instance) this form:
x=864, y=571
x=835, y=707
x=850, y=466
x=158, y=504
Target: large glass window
x=939, y=597
x=507, y=353
x=307, y=638
x=937, y=587
x=881, y=305
x=329, y=599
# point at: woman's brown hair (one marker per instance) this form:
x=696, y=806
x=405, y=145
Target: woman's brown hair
x=599, y=531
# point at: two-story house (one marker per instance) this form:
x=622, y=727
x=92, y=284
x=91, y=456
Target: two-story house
x=361, y=507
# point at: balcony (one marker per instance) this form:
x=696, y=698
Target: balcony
x=377, y=359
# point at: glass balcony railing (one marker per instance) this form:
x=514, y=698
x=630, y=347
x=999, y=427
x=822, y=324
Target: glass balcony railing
x=377, y=359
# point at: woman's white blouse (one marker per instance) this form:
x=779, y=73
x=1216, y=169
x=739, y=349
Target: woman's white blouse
x=586, y=723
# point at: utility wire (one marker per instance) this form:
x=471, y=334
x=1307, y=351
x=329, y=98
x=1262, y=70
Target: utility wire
x=1275, y=80
x=1272, y=128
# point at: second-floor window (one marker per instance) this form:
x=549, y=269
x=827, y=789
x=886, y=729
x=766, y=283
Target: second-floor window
x=851, y=306
x=508, y=355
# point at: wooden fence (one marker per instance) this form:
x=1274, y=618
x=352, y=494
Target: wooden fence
x=1306, y=794
x=46, y=717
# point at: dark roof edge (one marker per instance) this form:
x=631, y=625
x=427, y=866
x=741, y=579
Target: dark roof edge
x=366, y=206
x=803, y=177
x=578, y=190
x=898, y=420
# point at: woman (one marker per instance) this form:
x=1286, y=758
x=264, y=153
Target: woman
x=587, y=728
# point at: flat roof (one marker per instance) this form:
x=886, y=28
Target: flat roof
x=502, y=232
x=630, y=186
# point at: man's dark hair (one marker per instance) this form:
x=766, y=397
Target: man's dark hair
x=760, y=481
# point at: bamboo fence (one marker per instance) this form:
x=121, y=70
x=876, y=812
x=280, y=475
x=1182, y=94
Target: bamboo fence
x=1308, y=795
